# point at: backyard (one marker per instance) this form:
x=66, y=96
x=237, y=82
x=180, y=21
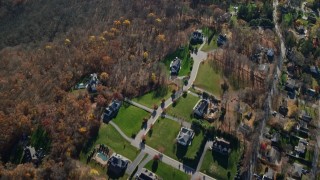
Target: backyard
x=130, y=119
x=208, y=79
x=183, y=108
x=109, y=136
x=219, y=166
x=165, y=171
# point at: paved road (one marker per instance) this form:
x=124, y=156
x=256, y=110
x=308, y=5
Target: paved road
x=184, y=123
x=135, y=163
x=144, y=162
x=120, y=131
x=206, y=147
x=314, y=171
x=272, y=91
x=139, y=105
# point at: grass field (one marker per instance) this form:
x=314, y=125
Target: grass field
x=218, y=166
x=130, y=118
x=211, y=45
x=154, y=97
x=208, y=79
x=184, y=55
x=165, y=171
x=109, y=136
x=163, y=136
x=184, y=107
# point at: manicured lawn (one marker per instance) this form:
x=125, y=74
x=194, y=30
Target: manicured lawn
x=163, y=136
x=184, y=55
x=210, y=45
x=183, y=108
x=154, y=97
x=165, y=171
x=109, y=136
x=208, y=79
x=218, y=166
x=130, y=118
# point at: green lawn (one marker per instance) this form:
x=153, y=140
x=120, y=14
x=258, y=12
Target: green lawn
x=183, y=108
x=163, y=136
x=109, y=136
x=218, y=166
x=210, y=45
x=165, y=171
x=184, y=55
x=130, y=118
x=154, y=97
x=208, y=79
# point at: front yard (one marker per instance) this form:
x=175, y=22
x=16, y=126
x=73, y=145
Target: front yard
x=163, y=138
x=130, y=119
x=155, y=97
x=183, y=54
x=219, y=166
x=208, y=79
x=165, y=171
x=183, y=108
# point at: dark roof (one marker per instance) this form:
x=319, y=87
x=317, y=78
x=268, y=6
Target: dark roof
x=306, y=118
x=201, y=108
x=221, y=145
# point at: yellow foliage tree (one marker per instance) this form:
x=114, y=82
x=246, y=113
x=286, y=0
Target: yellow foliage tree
x=161, y=37
x=117, y=23
x=151, y=15
x=145, y=55
x=82, y=129
x=126, y=22
x=153, y=77
x=92, y=38
x=158, y=20
x=67, y=42
x=104, y=76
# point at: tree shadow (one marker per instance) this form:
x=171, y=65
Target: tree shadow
x=181, y=151
x=155, y=166
x=144, y=125
x=115, y=175
x=221, y=159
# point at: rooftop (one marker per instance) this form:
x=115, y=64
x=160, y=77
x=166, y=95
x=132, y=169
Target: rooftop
x=185, y=136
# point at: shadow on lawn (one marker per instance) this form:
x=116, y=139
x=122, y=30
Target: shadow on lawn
x=222, y=160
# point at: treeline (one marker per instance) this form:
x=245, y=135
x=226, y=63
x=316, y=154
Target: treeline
x=61, y=42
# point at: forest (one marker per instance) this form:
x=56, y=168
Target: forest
x=46, y=47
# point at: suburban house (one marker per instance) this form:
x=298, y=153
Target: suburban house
x=222, y=39
x=270, y=54
x=273, y=155
x=145, y=174
x=185, y=136
x=269, y=175
x=175, y=66
x=302, y=126
x=222, y=146
x=93, y=83
x=201, y=108
x=30, y=154
x=298, y=170
x=111, y=111
x=300, y=149
x=117, y=164
x=306, y=118
x=314, y=71
x=196, y=38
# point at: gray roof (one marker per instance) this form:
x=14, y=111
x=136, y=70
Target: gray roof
x=185, y=136
x=297, y=170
